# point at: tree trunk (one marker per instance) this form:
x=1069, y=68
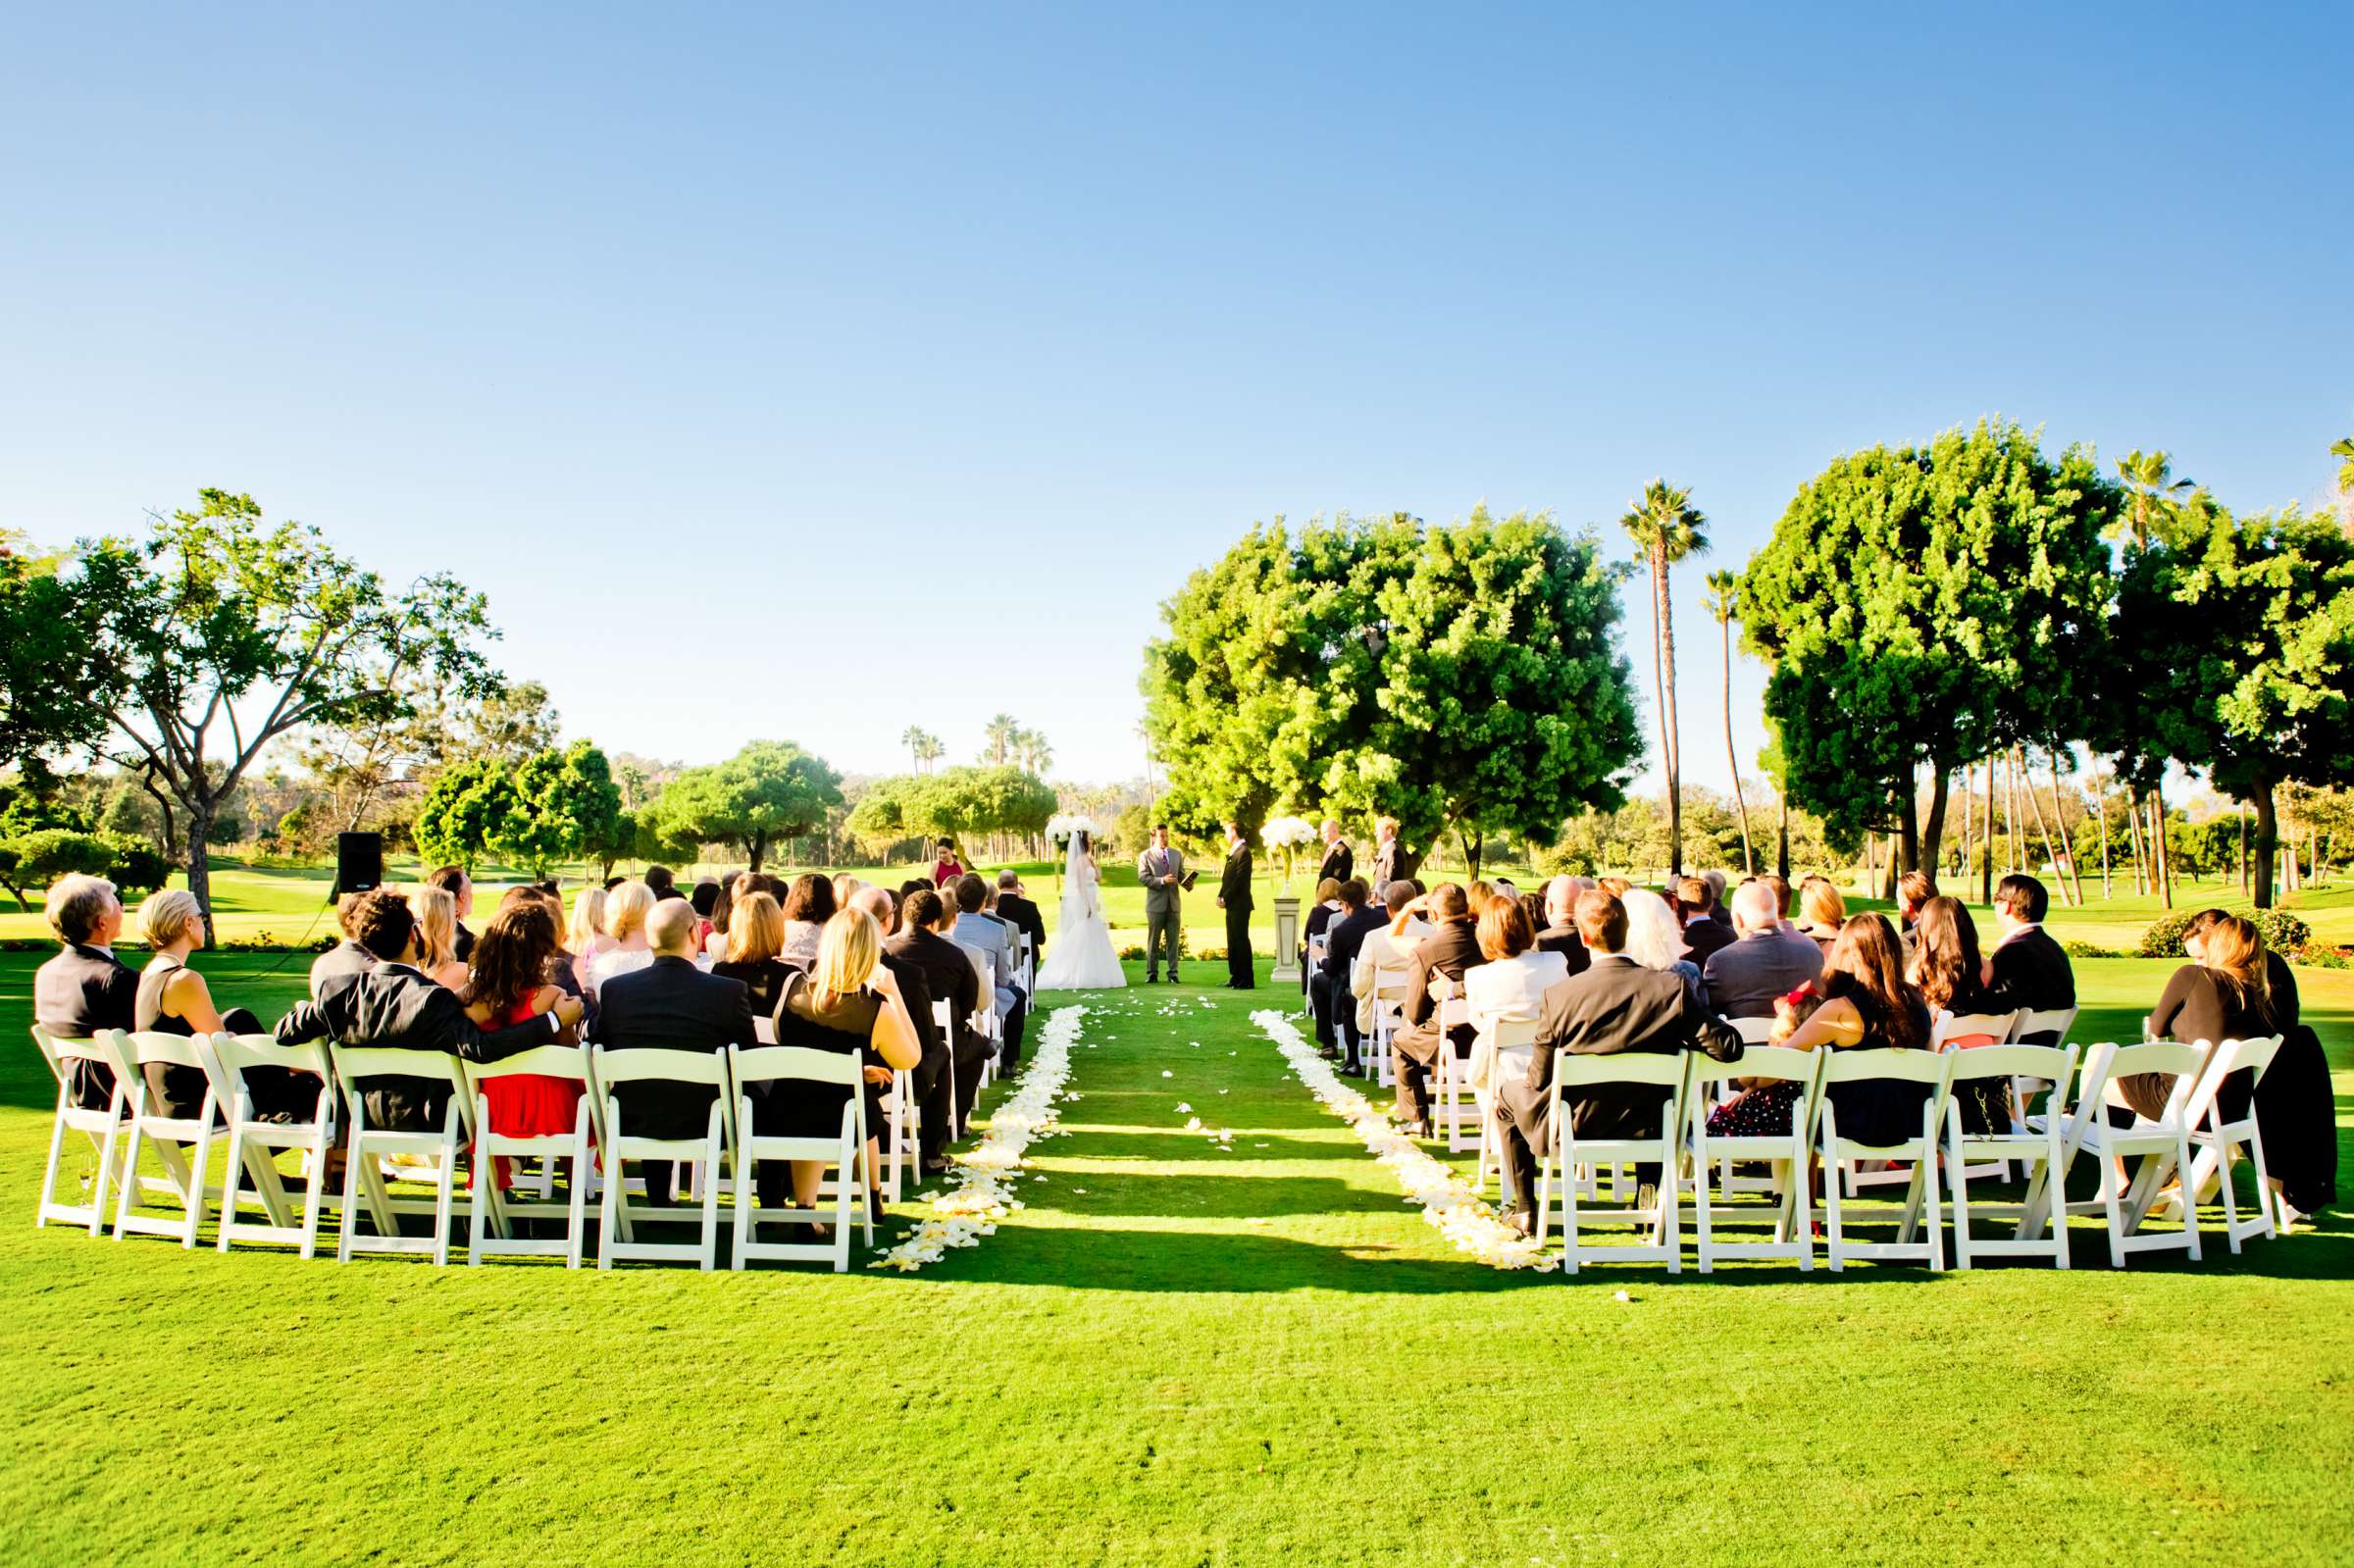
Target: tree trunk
x=2161, y=864
x=1907, y=848
x=1663, y=676
x=1781, y=847
x=2243, y=849
x=1986, y=871
x=1888, y=878
x=1932, y=832
x=2268, y=828
x=1473, y=844
x=1733, y=758
x=2044, y=828
x=200, y=871
x=2074, y=879
x=2133, y=822
x=2101, y=799
x=760, y=849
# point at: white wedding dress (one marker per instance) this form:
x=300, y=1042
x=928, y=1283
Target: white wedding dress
x=1079, y=956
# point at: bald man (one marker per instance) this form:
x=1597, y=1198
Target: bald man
x=1766, y=958
x=670, y=1005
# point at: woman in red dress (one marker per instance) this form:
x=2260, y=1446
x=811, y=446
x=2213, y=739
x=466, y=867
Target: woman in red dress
x=509, y=983
x=946, y=868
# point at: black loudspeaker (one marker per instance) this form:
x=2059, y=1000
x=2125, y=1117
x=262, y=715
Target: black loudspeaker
x=359, y=861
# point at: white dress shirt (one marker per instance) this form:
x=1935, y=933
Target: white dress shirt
x=1384, y=957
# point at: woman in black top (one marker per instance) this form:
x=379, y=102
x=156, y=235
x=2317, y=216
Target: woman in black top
x=173, y=999
x=755, y=937
x=1944, y=969
x=2225, y=992
x=1327, y=907
x=1868, y=1007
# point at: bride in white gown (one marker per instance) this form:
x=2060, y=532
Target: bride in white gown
x=1081, y=958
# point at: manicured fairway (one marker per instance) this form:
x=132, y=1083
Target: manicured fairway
x=1176, y=1354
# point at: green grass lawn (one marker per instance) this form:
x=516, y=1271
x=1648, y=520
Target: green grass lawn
x=1175, y=1354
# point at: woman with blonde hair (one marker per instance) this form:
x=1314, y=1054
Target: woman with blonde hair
x=1821, y=912
x=173, y=999
x=626, y=909
x=437, y=938
x=849, y=1001
x=586, y=934
x=755, y=935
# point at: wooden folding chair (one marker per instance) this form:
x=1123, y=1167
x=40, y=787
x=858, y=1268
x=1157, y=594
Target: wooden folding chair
x=491, y=1214
x=99, y=1126
x=1669, y=1070
x=1928, y=1068
x=254, y=1146
x=1793, y=1227
x=845, y=1152
x=2032, y=1149
x=364, y=1180
x=171, y=1137
x=617, y=1218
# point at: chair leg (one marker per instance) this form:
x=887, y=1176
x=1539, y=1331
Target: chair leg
x=843, y=1180
x=576, y=1204
x=202, y=1163
x=2113, y=1212
x=313, y=1196
x=608, y=1213
x=445, y=1197
x=129, y=1187
x=2191, y=1207
x=2264, y=1180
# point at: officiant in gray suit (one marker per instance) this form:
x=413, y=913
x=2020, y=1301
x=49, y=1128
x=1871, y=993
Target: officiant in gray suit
x=1161, y=871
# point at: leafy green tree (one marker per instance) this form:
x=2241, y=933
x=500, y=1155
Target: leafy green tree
x=769, y=791
x=1928, y=604
x=468, y=811
x=568, y=801
x=49, y=622
x=1463, y=678
x=2236, y=636
x=2149, y=479
x=1724, y=602
x=218, y=628
x=951, y=804
x=1666, y=527
x=38, y=858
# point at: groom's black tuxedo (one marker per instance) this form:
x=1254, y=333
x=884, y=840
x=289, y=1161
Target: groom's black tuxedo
x=1234, y=893
x=1022, y=914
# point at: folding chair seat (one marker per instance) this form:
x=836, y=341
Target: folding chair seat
x=182, y=1144
x=2160, y=1148
x=2215, y=1142
x=1931, y=1069
x=491, y=1214
x=845, y=1152
x=1570, y=1070
x=618, y=1218
x=1793, y=1227
x=254, y=1146
x=99, y=1126
x=365, y=1188
x=2033, y=1150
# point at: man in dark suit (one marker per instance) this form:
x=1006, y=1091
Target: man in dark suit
x=919, y=947
x=453, y=880
x=1234, y=898
x=1016, y=910
x=1339, y=859
x=2027, y=970
x=1702, y=935
x=1765, y=961
x=1449, y=951
x=347, y=956
x=1389, y=857
x=1559, y=934
x=85, y=987
x=663, y=883
x=672, y=1005
x=1342, y=939
x=1617, y=1005
x=390, y=1004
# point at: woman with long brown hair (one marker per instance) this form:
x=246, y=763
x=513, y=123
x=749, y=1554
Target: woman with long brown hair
x=1868, y=1005
x=508, y=984
x=1944, y=967
x=2225, y=992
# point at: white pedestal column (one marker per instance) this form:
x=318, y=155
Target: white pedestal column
x=1287, y=939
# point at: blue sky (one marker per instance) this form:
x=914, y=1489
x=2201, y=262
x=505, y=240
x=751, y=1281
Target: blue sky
x=809, y=375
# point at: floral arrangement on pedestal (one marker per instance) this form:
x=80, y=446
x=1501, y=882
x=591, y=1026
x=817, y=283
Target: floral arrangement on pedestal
x=1061, y=827
x=1285, y=836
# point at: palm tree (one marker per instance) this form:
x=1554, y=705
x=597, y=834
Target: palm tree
x=2150, y=475
x=2344, y=447
x=1666, y=527
x=928, y=751
x=912, y=737
x=1000, y=735
x=1723, y=601
x=1031, y=750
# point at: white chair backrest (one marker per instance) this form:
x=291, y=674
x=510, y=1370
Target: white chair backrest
x=1753, y=1031
x=2053, y=1021
x=653, y=1062
x=1965, y=1026
x=944, y=1014
x=1778, y=1062
x=233, y=1054
x=1906, y=1066
x=2230, y=1057
x=100, y=1048
x=2050, y=1063
x=1664, y=1068
x=2184, y=1062
x=764, y=1030
x=766, y=1062
x=167, y=1050
x=353, y=1062
x=549, y=1061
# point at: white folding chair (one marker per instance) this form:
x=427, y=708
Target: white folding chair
x=987, y=1022
x=99, y=1126
x=1667, y=1071
x=617, y=1217
x=845, y=1152
x=364, y=1179
x=2160, y=1148
x=2052, y=1063
x=1390, y=987
x=254, y=1146
x=173, y=1138
x=1456, y=1101
x=1793, y=1228
x=1931, y=1069
x=944, y=1017
x=1995, y=1029
x=1753, y=1031
x=492, y=1214
x=2215, y=1142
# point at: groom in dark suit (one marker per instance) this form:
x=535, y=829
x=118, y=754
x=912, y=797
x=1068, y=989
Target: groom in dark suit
x=1234, y=898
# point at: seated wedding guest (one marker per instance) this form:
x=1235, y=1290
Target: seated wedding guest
x=2225, y=992
x=911, y=886
x=931, y=1076
x=920, y=943
x=84, y=988
x=1944, y=967
x=669, y=1004
x=453, y=880
x=1477, y=894
x=1914, y=889
x=1717, y=909
x=346, y=956
x=173, y=999
x=755, y=945
x=585, y=935
x=1821, y=912
x=1763, y=961
x=1615, y=1006
x=1342, y=939
x=1533, y=906
x=1781, y=897
x=2027, y=970
x=1016, y=910
x=396, y=1005
x=662, y=884
x=507, y=985
x=723, y=904
x=436, y=938
x=703, y=900
x=1692, y=898
x=1616, y=886
x=976, y=927
x=625, y=910
x=1387, y=954
x=808, y=905
x=1868, y=1005
x=1516, y=976
x=1557, y=934
x=850, y=1002
x=1505, y=887
x=1319, y=920
x=1447, y=955
x=1655, y=940
x=947, y=867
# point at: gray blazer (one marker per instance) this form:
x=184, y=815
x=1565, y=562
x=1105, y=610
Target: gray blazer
x=1161, y=879
x=1744, y=977
x=995, y=940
